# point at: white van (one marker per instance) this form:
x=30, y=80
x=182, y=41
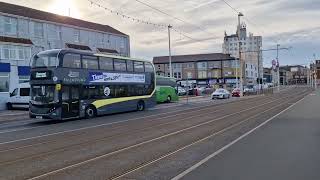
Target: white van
x=20, y=97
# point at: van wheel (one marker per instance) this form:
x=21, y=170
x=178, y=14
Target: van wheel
x=9, y=106
x=169, y=99
x=90, y=112
x=140, y=106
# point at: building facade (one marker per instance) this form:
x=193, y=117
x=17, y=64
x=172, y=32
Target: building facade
x=251, y=55
x=200, y=69
x=25, y=31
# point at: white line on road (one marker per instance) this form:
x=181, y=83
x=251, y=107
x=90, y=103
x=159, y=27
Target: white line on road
x=192, y=168
x=1, y=115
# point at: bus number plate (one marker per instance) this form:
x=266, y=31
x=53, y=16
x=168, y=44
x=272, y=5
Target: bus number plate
x=38, y=117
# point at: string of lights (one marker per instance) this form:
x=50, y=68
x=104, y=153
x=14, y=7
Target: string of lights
x=176, y=18
x=146, y=22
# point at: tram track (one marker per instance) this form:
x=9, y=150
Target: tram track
x=104, y=138
x=111, y=154
x=159, y=116
x=276, y=97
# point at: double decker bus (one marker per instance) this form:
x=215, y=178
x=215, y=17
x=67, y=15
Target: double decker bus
x=67, y=84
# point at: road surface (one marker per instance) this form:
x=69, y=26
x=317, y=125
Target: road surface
x=157, y=144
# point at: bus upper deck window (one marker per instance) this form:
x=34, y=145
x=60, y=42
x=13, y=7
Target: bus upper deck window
x=89, y=62
x=72, y=61
x=138, y=66
x=106, y=63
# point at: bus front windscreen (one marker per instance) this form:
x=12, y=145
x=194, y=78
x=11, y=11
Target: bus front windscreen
x=46, y=59
x=43, y=94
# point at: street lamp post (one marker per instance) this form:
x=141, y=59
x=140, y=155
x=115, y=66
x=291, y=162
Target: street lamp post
x=170, y=59
x=278, y=64
x=240, y=62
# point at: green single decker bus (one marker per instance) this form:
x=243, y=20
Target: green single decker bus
x=68, y=84
x=166, y=89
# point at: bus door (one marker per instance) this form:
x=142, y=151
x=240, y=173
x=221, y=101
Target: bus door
x=70, y=101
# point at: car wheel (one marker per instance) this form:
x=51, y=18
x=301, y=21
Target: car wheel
x=9, y=106
x=140, y=106
x=90, y=112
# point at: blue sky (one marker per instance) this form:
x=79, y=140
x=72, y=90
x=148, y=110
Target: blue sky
x=291, y=23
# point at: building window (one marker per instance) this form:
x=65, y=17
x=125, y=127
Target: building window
x=202, y=74
x=247, y=73
x=251, y=73
x=24, y=79
x=179, y=75
x=4, y=82
x=251, y=66
x=15, y=52
x=54, y=32
x=226, y=64
x=10, y=25
x=76, y=35
x=175, y=75
x=38, y=29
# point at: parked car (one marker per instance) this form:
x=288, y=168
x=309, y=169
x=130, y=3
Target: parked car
x=181, y=91
x=249, y=90
x=19, y=97
x=220, y=94
x=236, y=92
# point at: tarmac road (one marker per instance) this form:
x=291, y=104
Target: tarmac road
x=156, y=144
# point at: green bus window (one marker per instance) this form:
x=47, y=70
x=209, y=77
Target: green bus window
x=71, y=61
x=90, y=62
x=138, y=66
x=106, y=63
x=148, y=67
x=120, y=65
x=129, y=65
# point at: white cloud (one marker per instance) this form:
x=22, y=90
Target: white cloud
x=286, y=22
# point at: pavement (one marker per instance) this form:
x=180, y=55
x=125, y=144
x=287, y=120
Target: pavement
x=160, y=143
x=285, y=148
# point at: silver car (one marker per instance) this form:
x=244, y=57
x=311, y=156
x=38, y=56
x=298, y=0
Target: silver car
x=220, y=94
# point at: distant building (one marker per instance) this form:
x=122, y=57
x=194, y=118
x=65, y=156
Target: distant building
x=200, y=69
x=250, y=52
x=267, y=75
x=25, y=31
x=315, y=68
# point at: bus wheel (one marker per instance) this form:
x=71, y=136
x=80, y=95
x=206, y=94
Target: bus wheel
x=140, y=106
x=169, y=99
x=90, y=112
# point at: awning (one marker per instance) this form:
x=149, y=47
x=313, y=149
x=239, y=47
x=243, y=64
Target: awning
x=15, y=40
x=111, y=51
x=4, y=67
x=23, y=70
x=77, y=46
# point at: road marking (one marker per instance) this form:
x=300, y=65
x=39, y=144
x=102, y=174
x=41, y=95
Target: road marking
x=105, y=124
x=1, y=115
x=151, y=140
x=192, y=168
